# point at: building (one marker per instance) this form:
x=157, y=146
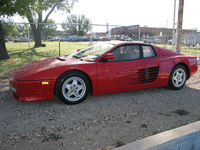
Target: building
x=135, y=31
x=192, y=38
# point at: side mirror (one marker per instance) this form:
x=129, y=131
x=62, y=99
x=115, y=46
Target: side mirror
x=109, y=56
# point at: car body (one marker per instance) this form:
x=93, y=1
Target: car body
x=21, y=39
x=95, y=38
x=90, y=38
x=107, y=67
x=171, y=41
x=63, y=39
x=105, y=38
x=73, y=39
x=116, y=37
x=152, y=40
x=86, y=38
x=126, y=38
x=80, y=38
x=54, y=39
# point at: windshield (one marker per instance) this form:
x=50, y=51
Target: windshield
x=93, y=52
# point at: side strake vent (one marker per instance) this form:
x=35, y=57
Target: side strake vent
x=148, y=75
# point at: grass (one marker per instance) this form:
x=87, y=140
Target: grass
x=19, y=53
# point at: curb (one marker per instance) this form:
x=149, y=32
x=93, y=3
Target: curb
x=198, y=61
x=183, y=138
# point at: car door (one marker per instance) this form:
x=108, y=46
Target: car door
x=150, y=62
x=122, y=72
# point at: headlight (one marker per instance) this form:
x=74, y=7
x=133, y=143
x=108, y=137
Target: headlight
x=14, y=89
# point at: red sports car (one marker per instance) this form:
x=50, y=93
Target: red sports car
x=101, y=69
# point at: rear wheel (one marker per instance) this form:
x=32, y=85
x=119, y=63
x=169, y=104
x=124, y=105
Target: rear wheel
x=177, y=77
x=72, y=87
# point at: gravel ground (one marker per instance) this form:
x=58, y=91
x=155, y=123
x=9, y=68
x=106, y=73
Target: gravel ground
x=100, y=122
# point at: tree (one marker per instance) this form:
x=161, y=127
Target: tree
x=32, y=9
x=23, y=29
x=3, y=51
x=49, y=29
x=9, y=28
x=76, y=25
x=7, y=8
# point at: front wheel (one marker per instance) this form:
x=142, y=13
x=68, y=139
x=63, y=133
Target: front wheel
x=177, y=77
x=72, y=87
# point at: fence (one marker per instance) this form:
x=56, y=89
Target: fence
x=51, y=36
x=23, y=45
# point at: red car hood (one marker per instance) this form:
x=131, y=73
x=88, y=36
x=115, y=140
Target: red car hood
x=35, y=70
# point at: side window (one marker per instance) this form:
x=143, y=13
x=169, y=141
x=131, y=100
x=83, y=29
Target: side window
x=127, y=52
x=148, y=52
x=118, y=52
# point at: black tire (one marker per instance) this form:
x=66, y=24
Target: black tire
x=72, y=87
x=178, y=77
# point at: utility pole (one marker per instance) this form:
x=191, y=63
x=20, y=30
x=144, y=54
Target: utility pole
x=179, y=27
x=173, y=38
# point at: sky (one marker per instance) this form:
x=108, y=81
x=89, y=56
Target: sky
x=151, y=13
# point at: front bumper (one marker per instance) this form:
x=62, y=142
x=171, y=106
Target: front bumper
x=32, y=90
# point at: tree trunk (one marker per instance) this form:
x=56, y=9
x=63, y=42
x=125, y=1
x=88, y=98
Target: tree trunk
x=37, y=36
x=3, y=51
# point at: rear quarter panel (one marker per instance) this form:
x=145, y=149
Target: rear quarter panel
x=168, y=59
x=167, y=63
x=190, y=61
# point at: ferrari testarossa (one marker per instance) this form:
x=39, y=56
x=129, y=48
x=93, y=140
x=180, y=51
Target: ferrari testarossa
x=102, y=69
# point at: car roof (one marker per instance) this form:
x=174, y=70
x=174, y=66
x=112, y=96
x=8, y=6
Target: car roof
x=122, y=42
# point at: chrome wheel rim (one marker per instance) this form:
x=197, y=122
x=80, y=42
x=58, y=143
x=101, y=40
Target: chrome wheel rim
x=74, y=88
x=178, y=77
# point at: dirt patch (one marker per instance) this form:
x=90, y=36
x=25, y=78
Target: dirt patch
x=100, y=122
